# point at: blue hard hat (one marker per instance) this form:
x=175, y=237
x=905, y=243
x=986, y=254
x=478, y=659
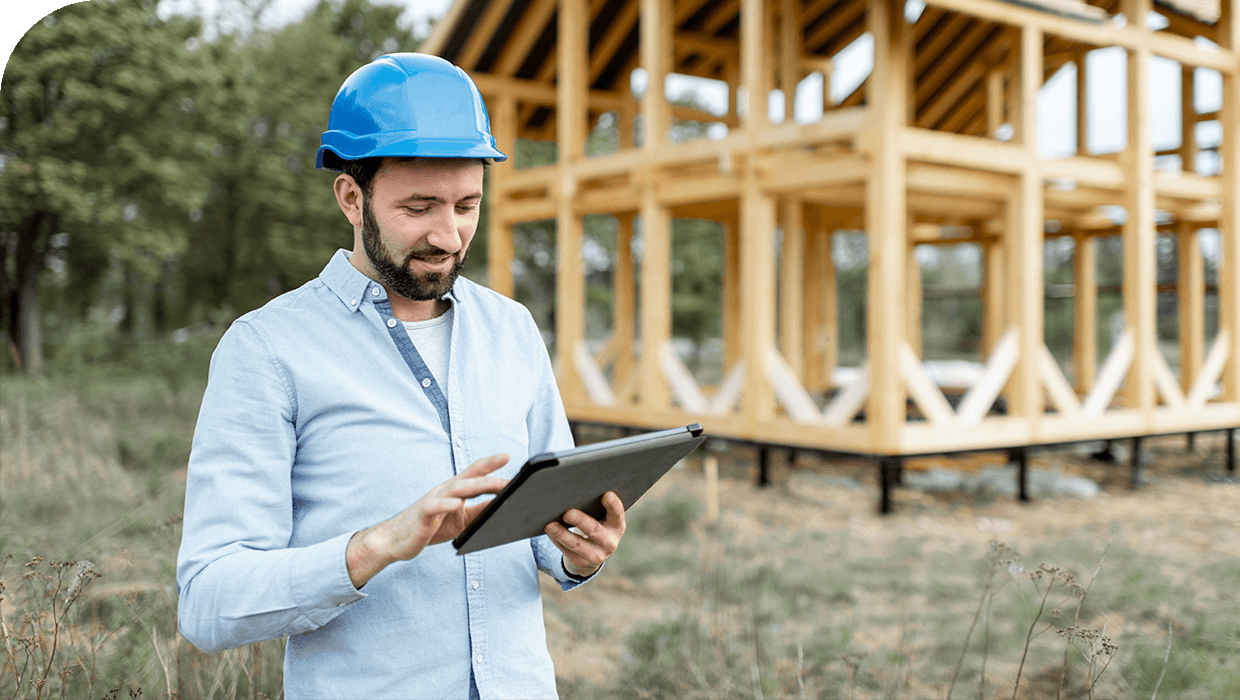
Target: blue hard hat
x=407, y=104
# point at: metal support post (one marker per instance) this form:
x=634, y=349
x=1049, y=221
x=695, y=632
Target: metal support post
x=888, y=469
x=764, y=466
x=1134, y=479
x=1190, y=438
x=1020, y=455
x=1231, y=450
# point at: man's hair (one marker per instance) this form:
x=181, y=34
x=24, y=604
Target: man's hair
x=363, y=170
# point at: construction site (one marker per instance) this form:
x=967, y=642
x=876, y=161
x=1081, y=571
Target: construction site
x=938, y=145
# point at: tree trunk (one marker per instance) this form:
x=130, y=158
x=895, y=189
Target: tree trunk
x=27, y=325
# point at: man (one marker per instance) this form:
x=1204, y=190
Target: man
x=332, y=458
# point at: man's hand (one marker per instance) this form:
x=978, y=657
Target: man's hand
x=584, y=553
x=439, y=516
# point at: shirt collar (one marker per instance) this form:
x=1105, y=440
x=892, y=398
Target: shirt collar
x=352, y=287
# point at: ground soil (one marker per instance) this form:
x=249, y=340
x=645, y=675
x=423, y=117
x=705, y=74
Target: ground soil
x=1187, y=506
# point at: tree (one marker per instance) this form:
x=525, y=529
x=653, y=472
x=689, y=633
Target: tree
x=95, y=120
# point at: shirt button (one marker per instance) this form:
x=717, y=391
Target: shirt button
x=391, y=323
x=474, y=585
x=374, y=291
x=460, y=442
x=478, y=658
x=354, y=302
x=426, y=382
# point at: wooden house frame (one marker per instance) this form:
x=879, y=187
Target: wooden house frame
x=914, y=156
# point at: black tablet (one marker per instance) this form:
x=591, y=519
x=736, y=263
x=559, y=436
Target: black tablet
x=552, y=483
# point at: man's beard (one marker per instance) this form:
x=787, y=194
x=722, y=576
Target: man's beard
x=397, y=276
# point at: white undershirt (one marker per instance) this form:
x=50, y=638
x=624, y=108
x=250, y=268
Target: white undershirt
x=433, y=339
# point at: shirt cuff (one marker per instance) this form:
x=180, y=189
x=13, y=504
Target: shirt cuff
x=572, y=580
x=323, y=586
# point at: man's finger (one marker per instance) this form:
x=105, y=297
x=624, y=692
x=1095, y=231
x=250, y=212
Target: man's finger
x=615, y=511
x=484, y=466
x=477, y=486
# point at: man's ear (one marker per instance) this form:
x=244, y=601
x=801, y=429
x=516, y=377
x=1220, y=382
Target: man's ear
x=349, y=197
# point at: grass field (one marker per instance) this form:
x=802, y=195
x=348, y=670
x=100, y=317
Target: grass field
x=785, y=596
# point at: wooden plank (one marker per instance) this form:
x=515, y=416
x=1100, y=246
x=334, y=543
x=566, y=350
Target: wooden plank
x=792, y=285
x=963, y=151
x=656, y=57
x=523, y=36
x=1211, y=369
x=500, y=250
x=840, y=19
x=1139, y=236
x=1085, y=312
x=612, y=37
x=981, y=396
x=1229, y=200
x=925, y=394
x=684, y=388
x=1024, y=236
x=656, y=296
x=1104, y=34
x=788, y=389
x=811, y=308
x=536, y=94
x=754, y=77
x=1082, y=106
x=597, y=390
x=1190, y=290
x=730, y=391
x=481, y=33
x=757, y=302
x=912, y=299
x=1057, y=388
x=943, y=180
x=994, y=311
x=623, y=317
x=790, y=51
x=886, y=212
x=848, y=402
x=1166, y=382
x=733, y=352
x=1188, y=122
x=1110, y=376
x=570, y=139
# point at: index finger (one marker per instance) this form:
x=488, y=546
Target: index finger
x=484, y=466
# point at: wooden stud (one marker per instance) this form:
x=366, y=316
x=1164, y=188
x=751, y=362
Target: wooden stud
x=757, y=303
x=1085, y=312
x=1190, y=288
x=754, y=58
x=994, y=314
x=624, y=311
x=790, y=50
x=792, y=285
x=1188, y=122
x=1082, y=105
x=656, y=295
x=656, y=57
x=499, y=238
x=732, y=350
x=1139, y=229
x=913, y=301
x=1229, y=220
x=1025, y=235
x=885, y=214
x=571, y=58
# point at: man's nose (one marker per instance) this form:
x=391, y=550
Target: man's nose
x=445, y=233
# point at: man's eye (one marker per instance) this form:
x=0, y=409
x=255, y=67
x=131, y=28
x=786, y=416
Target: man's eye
x=417, y=210
x=466, y=208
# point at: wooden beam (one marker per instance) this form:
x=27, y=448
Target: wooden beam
x=913, y=299
x=1139, y=233
x=757, y=302
x=499, y=238
x=792, y=285
x=1024, y=237
x=540, y=94
x=928, y=397
x=886, y=214
x=1085, y=312
x=733, y=352
x=1229, y=219
x=1170, y=46
x=1190, y=288
x=999, y=365
x=790, y=51
x=614, y=35
x=1188, y=123
x=656, y=57
x=994, y=314
x=754, y=76
x=481, y=33
x=624, y=310
x=523, y=36
x=1110, y=376
x=571, y=59
x=656, y=299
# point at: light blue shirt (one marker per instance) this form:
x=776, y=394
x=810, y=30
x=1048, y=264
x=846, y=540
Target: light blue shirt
x=318, y=421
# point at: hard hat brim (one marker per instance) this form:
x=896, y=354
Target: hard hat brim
x=402, y=144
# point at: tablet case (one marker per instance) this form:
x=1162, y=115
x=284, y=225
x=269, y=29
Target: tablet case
x=550, y=484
